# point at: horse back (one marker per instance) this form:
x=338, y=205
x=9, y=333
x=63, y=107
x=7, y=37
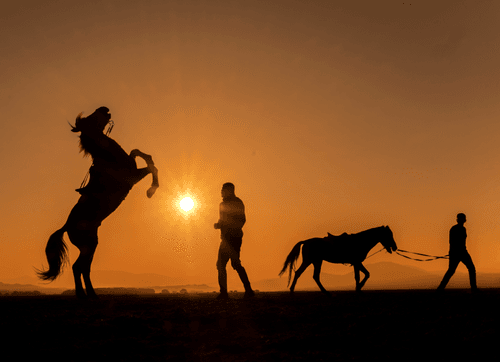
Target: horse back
x=338, y=249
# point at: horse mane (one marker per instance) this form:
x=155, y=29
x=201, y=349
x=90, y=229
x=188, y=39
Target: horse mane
x=84, y=145
x=372, y=229
x=361, y=232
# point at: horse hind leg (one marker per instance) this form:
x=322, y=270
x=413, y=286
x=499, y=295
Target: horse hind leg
x=317, y=271
x=298, y=273
x=87, y=257
x=81, y=268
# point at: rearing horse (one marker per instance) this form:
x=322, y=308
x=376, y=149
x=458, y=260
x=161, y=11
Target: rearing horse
x=344, y=249
x=112, y=176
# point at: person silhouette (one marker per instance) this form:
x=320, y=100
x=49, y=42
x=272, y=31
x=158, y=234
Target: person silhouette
x=231, y=221
x=458, y=253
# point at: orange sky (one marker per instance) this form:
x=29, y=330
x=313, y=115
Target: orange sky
x=333, y=117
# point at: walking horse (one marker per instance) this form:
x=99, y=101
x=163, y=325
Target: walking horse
x=345, y=249
x=112, y=175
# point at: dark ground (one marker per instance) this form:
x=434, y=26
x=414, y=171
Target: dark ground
x=377, y=325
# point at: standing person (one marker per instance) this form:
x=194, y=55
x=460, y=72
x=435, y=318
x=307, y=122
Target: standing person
x=458, y=253
x=231, y=221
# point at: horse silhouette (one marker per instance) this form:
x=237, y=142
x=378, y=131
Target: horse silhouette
x=344, y=249
x=112, y=175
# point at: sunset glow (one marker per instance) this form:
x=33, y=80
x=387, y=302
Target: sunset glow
x=327, y=116
x=186, y=204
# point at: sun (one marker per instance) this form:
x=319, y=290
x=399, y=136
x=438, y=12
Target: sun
x=186, y=204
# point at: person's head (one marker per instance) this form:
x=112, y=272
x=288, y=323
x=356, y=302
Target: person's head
x=461, y=218
x=227, y=189
x=96, y=122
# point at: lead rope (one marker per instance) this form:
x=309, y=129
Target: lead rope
x=374, y=253
x=432, y=257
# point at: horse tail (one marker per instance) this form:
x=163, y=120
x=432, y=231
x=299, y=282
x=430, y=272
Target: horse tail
x=291, y=259
x=57, y=255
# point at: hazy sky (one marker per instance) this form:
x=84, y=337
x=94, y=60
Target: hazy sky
x=328, y=116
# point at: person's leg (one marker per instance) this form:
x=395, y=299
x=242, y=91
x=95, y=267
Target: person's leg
x=454, y=261
x=467, y=260
x=236, y=264
x=223, y=258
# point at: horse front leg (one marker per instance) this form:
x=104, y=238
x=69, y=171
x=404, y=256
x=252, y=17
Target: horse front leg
x=366, y=273
x=151, y=168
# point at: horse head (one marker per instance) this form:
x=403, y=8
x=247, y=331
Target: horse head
x=91, y=126
x=96, y=122
x=388, y=240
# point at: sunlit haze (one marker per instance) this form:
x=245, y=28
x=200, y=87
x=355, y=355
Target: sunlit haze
x=328, y=116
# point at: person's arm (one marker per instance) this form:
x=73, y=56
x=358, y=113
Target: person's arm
x=453, y=238
x=218, y=224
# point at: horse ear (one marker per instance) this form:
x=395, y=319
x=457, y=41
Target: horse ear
x=329, y=234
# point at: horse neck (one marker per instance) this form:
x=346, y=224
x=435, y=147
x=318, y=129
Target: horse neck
x=103, y=147
x=89, y=144
x=371, y=237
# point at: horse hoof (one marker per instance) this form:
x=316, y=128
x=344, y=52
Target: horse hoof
x=93, y=297
x=151, y=191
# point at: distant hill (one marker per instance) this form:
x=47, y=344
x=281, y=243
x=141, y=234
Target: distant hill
x=383, y=275
x=191, y=288
x=111, y=278
x=117, y=291
x=10, y=288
